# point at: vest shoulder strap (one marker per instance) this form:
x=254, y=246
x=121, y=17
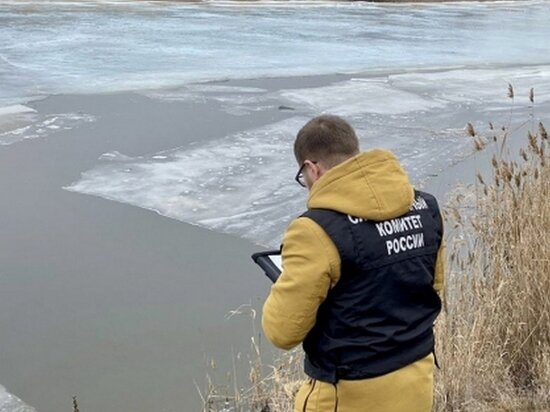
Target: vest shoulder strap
x=331, y=222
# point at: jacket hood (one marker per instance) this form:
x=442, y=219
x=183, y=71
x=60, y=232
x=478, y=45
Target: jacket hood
x=371, y=185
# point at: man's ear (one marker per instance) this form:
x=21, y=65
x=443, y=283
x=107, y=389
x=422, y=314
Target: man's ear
x=317, y=169
x=313, y=168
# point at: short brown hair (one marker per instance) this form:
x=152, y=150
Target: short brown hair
x=327, y=139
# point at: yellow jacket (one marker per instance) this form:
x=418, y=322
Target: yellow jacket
x=371, y=185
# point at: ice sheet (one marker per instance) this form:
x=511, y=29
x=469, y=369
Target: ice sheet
x=242, y=184
x=234, y=100
x=356, y=96
x=14, y=110
x=25, y=125
x=228, y=185
x=11, y=403
x=58, y=47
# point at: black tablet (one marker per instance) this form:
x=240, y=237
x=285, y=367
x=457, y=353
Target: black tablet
x=271, y=263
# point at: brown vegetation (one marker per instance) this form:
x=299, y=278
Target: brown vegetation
x=494, y=334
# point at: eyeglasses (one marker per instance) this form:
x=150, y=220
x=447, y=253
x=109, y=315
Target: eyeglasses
x=300, y=175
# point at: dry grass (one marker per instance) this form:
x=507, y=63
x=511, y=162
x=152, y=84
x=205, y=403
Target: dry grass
x=269, y=387
x=493, y=336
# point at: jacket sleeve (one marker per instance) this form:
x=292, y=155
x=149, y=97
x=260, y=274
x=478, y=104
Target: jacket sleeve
x=440, y=268
x=311, y=265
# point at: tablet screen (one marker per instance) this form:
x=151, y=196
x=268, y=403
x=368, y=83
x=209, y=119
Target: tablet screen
x=277, y=260
x=271, y=263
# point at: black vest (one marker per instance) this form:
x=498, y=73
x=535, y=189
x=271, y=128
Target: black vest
x=379, y=316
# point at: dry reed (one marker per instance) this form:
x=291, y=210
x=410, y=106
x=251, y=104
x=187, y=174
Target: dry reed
x=494, y=336
x=75, y=405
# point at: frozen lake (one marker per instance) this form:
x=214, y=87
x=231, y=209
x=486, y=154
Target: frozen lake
x=407, y=76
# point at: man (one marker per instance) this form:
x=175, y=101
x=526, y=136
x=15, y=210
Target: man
x=361, y=271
